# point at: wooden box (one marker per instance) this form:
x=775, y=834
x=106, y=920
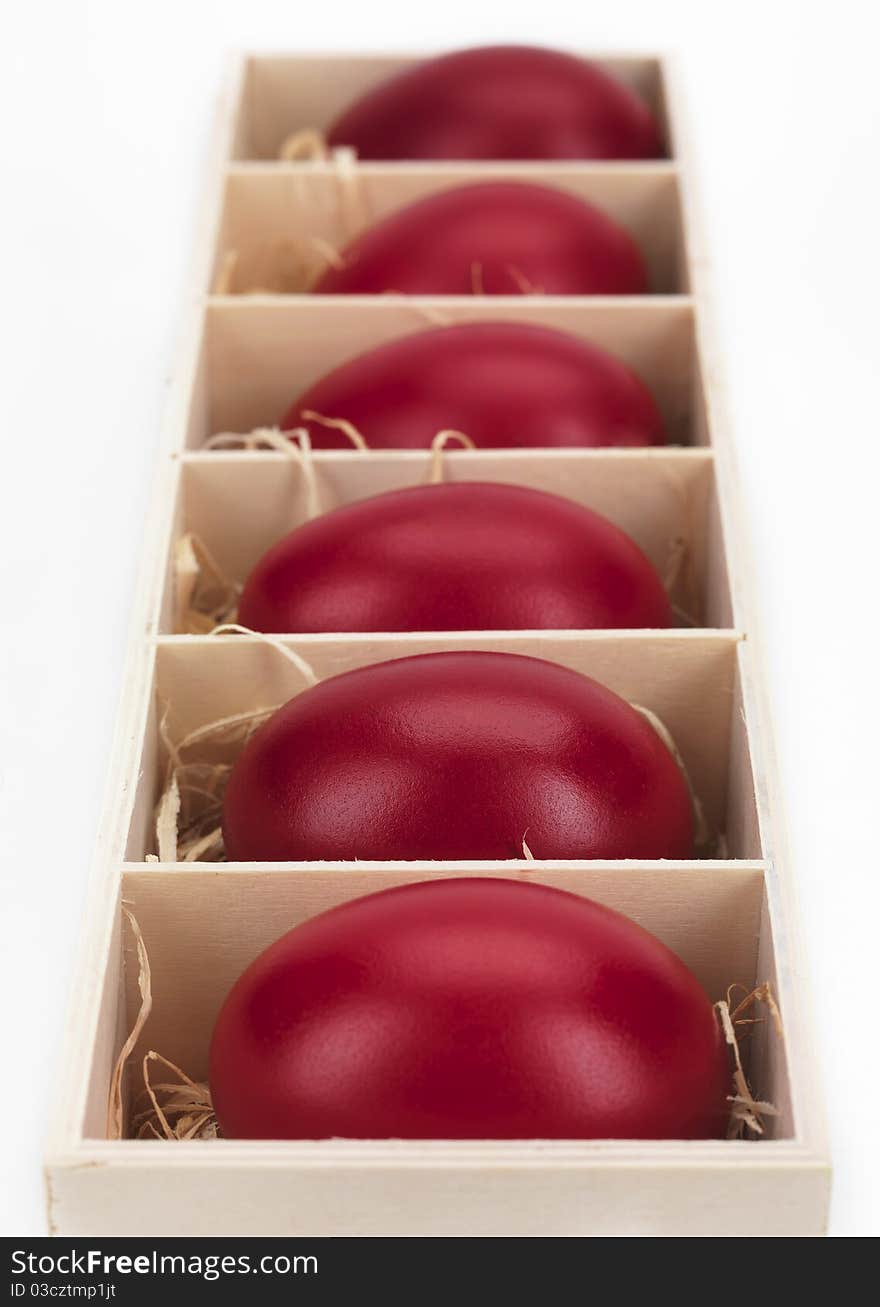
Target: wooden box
x=731, y=916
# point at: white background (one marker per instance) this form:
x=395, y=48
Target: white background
x=105, y=120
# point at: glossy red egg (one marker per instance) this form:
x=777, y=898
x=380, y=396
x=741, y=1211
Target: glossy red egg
x=491, y=238
x=456, y=755
x=457, y=557
x=468, y=1009
x=500, y=102
x=503, y=384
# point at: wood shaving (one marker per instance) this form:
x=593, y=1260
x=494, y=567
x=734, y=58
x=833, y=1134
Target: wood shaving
x=115, y=1101
x=204, y=595
x=307, y=144
x=289, y=265
x=428, y=313
x=438, y=445
x=172, y=1110
x=746, y=1111
x=282, y=442
x=189, y=814
x=168, y=821
x=295, y=444
x=348, y=429
x=523, y=285
x=304, y=668
x=704, y=840
x=225, y=273
x=680, y=583
x=179, y=1109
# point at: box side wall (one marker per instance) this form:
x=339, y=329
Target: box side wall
x=556, y=1201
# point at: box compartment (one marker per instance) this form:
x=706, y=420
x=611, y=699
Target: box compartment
x=240, y=504
x=284, y=94
x=261, y=352
x=203, y=927
x=689, y=679
x=266, y=208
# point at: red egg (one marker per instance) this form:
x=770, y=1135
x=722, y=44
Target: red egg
x=464, y=557
x=468, y=1009
x=456, y=755
x=492, y=238
x=504, y=384
x=500, y=102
